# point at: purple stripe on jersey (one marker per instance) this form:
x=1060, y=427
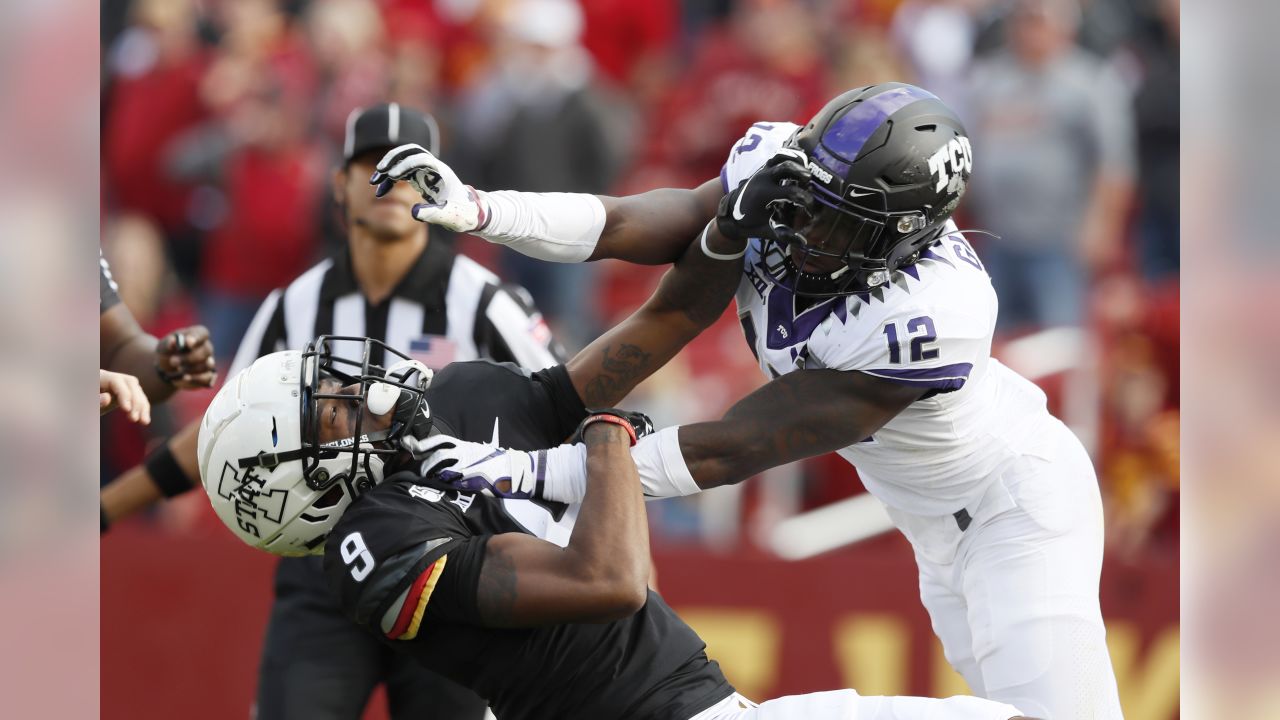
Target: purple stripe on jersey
x=947, y=377
x=841, y=311
x=785, y=328
x=749, y=330
x=724, y=177
x=911, y=270
x=846, y=136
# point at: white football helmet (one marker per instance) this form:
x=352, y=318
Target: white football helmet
x=271, y=475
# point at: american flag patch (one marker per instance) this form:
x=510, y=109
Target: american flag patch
x=434, y=351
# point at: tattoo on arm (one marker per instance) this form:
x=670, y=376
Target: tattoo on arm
x=618, y=372
x=496, y=590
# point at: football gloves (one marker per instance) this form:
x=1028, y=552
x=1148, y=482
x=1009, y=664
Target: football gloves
x=751, y=209
x=477, y=467
x=448, y=202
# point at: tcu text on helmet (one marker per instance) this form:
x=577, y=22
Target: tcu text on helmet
x=951, y=164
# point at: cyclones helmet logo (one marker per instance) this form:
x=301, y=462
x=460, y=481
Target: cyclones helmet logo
x=249, y=499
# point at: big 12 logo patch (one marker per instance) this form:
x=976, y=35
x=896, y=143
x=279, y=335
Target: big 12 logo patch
x=952, y=165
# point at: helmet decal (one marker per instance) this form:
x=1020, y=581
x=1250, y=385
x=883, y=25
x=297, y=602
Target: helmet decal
x=888, y=165
x=847, y=134
x=249, y=499
x=274, y=477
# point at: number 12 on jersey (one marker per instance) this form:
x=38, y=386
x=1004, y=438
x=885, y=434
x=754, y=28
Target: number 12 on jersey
x=921, y=328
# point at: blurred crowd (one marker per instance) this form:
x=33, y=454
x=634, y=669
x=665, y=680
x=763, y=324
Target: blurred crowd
x=222, y=121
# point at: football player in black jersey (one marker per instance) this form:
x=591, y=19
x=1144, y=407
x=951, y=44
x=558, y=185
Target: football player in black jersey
x=540, y=607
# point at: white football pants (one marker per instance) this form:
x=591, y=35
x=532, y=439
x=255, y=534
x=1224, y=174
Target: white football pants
x=849, y=705
x=1014, y=598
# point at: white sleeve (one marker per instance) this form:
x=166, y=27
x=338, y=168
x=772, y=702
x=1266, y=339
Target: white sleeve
x=556, y=227
x=662, y=469
x=762, y=141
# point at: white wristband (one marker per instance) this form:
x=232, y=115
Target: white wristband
x=663, y=472
x=715, y=255
x=557, y=227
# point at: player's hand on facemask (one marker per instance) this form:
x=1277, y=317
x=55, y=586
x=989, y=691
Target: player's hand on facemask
x=746, y=212
x=184, y=358
x=449, y=203
x=117, y=390
x=475, y=467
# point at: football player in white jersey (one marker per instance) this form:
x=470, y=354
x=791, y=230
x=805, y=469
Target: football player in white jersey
x=873, y=317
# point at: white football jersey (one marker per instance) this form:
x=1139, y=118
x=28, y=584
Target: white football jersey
x=931, y=327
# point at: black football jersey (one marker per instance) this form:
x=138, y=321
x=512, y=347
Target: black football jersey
x=405, y=560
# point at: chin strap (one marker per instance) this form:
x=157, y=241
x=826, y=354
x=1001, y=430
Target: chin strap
x=271, y=460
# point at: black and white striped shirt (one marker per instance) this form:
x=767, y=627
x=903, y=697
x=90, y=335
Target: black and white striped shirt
x=446, y=299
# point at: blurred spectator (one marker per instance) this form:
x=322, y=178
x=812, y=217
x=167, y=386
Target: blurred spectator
x=867, y=56
x=1052, y=135
x=632, y=43
x=1156, y=106
x=764, y=65
x=937, y=37
x=345, y=39
x=267, y=235
x=1139, y=453
x=155, y=69
x=263, y=175
x=536, y=123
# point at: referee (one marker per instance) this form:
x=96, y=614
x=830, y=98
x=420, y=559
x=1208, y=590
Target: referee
x=393, y=284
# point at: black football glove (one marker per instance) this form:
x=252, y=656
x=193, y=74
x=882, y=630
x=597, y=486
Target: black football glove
x=752, y=209
x=637, y=421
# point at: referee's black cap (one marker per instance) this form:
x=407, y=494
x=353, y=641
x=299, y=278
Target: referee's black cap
x=382, y=127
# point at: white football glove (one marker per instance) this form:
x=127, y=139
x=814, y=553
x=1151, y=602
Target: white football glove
x=449, y=203
x=477, y=467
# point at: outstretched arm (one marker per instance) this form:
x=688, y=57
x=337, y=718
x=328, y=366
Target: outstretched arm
x=799, y=415
x=654, y=228
x=651, y=228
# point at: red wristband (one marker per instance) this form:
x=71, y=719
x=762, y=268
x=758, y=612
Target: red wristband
x=605, y=417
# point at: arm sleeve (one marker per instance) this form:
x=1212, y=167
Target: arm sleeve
x=509, y=328
x=108, y=291
x=264, y=336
